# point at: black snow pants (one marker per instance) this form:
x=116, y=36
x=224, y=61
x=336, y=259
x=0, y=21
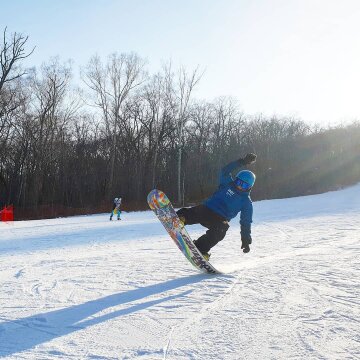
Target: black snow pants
x=216, y=224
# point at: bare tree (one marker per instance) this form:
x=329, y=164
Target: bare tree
x=12, y=51
x=112, y=84
x=157, y=120
x=178, y=93
x=226, y=118
x=50, y=114
x=199, y=131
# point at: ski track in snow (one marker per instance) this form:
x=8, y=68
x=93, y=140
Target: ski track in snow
x=87, y=288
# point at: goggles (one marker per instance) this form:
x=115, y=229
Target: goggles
x=242, y=184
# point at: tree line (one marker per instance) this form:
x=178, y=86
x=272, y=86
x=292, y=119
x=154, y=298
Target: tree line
x=65, y=150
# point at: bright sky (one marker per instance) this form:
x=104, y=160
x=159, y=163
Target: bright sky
x=285, y=57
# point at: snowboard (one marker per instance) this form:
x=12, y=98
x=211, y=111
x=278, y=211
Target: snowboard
x=165, y=212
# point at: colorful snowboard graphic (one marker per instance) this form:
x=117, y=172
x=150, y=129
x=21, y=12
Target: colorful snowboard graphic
x=163, y=209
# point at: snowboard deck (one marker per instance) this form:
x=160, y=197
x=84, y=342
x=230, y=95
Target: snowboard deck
x=162, y=207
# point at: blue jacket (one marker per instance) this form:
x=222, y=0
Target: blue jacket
x=228, y=201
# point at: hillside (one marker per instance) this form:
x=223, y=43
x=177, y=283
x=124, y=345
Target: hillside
x=86, y=288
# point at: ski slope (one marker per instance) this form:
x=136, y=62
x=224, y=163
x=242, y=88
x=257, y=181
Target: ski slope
x=87, y=288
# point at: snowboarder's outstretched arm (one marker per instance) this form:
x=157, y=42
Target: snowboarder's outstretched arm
x=245, y=226
x=225, y=173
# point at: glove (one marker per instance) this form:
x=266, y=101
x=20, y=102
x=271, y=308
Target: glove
x=249, y=159
x=245, y=247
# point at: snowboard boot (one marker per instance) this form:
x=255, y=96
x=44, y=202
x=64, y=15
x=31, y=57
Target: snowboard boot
x=182, y=221
x=206, y=256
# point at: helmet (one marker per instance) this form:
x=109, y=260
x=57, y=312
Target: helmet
x=245, y=179
x=116, y=199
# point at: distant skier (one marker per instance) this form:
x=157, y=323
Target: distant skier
x=116, y=208
x=232, y=197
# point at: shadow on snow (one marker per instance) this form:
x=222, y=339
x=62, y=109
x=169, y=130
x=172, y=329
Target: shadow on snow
x=23, y=334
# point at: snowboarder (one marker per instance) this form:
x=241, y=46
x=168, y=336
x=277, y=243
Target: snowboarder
x=116, y=208
x=232, y=197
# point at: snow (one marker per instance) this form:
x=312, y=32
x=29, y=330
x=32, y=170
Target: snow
x=87, y=288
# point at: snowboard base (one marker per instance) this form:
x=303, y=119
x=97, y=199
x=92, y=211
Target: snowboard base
x=162, y=207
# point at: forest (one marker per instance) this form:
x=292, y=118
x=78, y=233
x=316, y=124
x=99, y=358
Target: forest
x=70, y=146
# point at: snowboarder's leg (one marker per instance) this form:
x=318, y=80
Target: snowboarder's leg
x=216, y=233
x=216, y=224
x=111, y=215
x=190, y=216
x=118, y=215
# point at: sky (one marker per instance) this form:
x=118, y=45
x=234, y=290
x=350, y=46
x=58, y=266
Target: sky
x=285, y=57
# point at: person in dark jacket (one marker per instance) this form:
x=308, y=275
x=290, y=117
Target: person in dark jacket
x=116, y=208
x=232, y=197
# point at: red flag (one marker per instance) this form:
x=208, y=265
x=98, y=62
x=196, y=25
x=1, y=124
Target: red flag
x=7, y=213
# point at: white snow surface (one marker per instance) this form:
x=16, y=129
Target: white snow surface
x=87, y=288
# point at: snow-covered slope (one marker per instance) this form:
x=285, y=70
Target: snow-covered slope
x=87, y=288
